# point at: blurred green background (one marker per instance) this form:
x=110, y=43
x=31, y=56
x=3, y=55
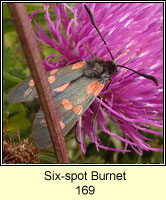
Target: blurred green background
x=21, y=115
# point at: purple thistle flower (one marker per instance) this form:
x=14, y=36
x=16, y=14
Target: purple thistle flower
x=134, y=34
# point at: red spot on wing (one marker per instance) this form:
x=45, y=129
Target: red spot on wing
x=99, y=89
x=51, y=79
x=43, y=122
x=62, y=87
x=92, y=87
x=78, y=65
x=62, y=124
x=67, y=104
x=28, y=91
x=31, y=83
x=78, y=109
x=52, y=72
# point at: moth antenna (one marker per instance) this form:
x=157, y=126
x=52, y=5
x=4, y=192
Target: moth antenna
x=141, y=74
x=94, y=24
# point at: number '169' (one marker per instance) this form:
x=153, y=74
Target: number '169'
x=86, y=190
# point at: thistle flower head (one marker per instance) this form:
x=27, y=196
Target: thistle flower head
x=134, y=34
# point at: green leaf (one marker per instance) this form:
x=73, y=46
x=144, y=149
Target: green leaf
x=31, y=7
x=9, y=77
x=48, y=159
x=18, y=122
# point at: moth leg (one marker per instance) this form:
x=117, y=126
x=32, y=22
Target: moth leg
x=95, y=115
x=76, y=138
x=109, y=84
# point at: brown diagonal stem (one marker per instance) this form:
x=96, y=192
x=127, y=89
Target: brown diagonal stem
x=25, y=31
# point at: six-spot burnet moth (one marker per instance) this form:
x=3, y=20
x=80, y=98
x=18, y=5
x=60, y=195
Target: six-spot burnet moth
x=74, y=88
